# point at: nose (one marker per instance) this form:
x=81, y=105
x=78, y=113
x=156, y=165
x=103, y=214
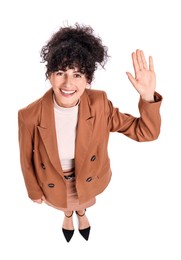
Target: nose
x=68, y=82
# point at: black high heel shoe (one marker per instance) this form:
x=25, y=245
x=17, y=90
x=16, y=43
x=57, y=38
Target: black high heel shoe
x=86, y=231
x=67, y=232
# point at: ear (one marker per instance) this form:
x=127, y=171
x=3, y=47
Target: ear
x=49, y=75
x=88, y=86
x=48, y=83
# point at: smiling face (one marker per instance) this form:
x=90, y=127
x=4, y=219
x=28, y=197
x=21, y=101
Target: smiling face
x=68, y=86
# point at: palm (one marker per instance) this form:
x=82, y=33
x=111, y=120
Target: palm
x=145, y=79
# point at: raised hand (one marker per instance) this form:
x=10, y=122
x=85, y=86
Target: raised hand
x=145, y=79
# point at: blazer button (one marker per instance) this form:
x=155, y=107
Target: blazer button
x=51, y=185
x=43, y=166
x=93, y=158
x=89, y=179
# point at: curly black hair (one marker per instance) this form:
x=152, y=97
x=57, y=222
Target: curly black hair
x=74, y=46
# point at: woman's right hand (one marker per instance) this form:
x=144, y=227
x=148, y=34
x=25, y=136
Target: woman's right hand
x=39, y=201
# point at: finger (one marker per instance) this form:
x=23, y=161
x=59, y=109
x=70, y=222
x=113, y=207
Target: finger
x=37, y=201
x=151, y=65
x=131, y=78
x=139, y=59
x=43, y=198
x=135, y=62
x=144, y=60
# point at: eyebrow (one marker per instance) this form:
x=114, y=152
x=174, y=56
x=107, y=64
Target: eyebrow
x=75, y=71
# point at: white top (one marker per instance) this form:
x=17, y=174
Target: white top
x=65, y=124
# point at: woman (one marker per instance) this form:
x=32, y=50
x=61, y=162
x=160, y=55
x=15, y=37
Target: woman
x=63, y=136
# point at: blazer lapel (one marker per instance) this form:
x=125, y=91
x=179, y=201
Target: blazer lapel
x=84, y=131
x=47, y=130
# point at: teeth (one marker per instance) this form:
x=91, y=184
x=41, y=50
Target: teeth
x=68, y=92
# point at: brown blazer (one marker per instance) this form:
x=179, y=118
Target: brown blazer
x=97, y=117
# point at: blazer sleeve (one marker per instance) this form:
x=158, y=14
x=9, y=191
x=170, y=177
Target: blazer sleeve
x=26, y=159
x=141, y=129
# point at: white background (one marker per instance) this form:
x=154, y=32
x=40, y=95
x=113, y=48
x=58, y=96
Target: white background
x=139, y=215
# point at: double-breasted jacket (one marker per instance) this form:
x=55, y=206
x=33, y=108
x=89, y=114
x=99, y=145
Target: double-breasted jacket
x=97, y=117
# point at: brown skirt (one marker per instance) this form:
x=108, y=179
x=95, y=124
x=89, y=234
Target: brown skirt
x=72, y=198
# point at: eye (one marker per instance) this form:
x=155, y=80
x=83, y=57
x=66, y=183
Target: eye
x=59, y=73
x=77, y=75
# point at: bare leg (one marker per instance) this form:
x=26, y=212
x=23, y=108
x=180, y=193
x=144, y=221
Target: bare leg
x=84, y=226
x=83, y=220
x=68, y=221
x=68, y=228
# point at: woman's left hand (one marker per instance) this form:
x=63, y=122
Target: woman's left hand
x=145, y=79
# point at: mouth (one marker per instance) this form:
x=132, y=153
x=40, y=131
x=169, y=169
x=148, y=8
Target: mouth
x=67, y=93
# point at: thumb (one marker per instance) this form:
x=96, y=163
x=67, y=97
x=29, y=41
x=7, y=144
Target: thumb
x=132, y=79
